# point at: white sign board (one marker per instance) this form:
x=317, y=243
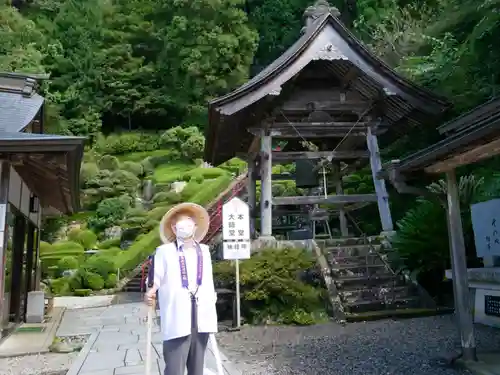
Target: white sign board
x=235, y=220
x=486, y=225
x=236, y=250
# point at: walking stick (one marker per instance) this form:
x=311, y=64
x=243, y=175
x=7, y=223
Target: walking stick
x=151, y=310
x=148, y=339
x=213, y=342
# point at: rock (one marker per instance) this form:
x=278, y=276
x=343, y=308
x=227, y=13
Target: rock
x=113, y=232
x=178, y=186
x=61, y=347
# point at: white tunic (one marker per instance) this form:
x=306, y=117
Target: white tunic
x=175, y=301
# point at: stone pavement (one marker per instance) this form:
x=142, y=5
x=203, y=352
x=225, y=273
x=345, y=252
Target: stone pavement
x=117, y=343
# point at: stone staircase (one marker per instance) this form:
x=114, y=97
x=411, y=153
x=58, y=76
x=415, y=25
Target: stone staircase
x=366, y=286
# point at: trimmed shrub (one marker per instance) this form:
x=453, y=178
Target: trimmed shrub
x=108, y=162
x=118, y=144
x=137, y=252
x=60, y=287
x=108, y=213
x=87, y=239
x=147, y=166
x=211, y=190
x=273, y=288
x=82, y=292
x=135, y=168
x=193, y=147
x=170, y=197
x=157, y=213
x=67, y=263
x=136, y=212
x=111, y=281
x=107, y=244
x=99, y=264
x=94, y=281
x=88, y=172
x=73, y=234
x=45, y=247
x=125, y=181
x=206, y=173
x=65, y=247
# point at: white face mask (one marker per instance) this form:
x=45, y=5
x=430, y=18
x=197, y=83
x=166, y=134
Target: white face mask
x=185, y=228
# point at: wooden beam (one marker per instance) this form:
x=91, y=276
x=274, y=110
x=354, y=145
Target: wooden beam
x=281, y=156
x=330, y=106
x=291, y=133
x=471, y=156
x=330, y=124
x=332, y=199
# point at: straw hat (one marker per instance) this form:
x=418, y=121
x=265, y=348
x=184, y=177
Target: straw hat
x=194, y=211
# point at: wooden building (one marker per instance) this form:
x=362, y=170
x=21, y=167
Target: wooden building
x=331, y=99
x=37, y=172
x=470, y=138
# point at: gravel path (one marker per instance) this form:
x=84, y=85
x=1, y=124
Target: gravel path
x=41, y=364
x=415, y=346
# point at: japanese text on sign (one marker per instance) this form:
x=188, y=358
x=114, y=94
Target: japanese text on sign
x=486, y=224
x=235, y=220
x=236, y=250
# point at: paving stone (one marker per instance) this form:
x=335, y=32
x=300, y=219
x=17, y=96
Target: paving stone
x=101, y=372
x=103, y=361
x=136, y=370
x=132, y=357
x=111, y=328
x=117, y=337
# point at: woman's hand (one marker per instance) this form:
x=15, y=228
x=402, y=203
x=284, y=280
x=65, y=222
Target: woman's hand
x=150, y=297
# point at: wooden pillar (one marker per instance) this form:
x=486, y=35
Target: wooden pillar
x=252, y=193
x=266, y=228
x=344, y=231
x=380, y=188
x=4, y=202
x=459, y=266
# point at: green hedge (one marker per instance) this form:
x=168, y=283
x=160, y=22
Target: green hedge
x=205, y=173
x=138, y=252
x=211, y=190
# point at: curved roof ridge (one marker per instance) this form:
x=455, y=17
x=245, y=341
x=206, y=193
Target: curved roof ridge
x=283, y=61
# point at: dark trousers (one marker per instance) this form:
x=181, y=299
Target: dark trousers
x=187, y=351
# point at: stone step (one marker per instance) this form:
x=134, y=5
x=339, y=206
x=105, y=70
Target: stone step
x=364, y=271
x=349, y=251
x=349, y=241
x=376, y=293
x=393, y=304
x=357, y=282
x=354, y=260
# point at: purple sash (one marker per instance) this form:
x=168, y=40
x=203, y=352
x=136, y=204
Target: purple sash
x=183, y=268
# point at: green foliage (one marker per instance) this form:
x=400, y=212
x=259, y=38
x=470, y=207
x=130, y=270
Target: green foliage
x=137, y=252
x=111, y=281
x=109, y=212
x=87, y=239
x=45, y=247
x=82, y=292
x=135, y=168
x=119, y=144
x=94, y=281
x=107, y=244
x=100, y=264
x=88, y=172
x=61, y=247
x=108, y=162
x=171, y=197
x=193, y=148
x=273, y=289
x=60, y=287
x=67, y=263
x=234, y=165
x=205, y=173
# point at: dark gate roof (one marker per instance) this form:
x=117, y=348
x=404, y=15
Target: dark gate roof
x=327, y=40
x=48, y=164
x=467, y=132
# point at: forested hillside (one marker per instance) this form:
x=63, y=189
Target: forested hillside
x=151, y=65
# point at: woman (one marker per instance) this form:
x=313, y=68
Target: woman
x=184, y=281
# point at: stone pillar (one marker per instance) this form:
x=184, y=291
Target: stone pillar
x=380, y=188
x=252, y=193
x=266, y=187
x=344, y=231
x=459, y=267
x=4, y=202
